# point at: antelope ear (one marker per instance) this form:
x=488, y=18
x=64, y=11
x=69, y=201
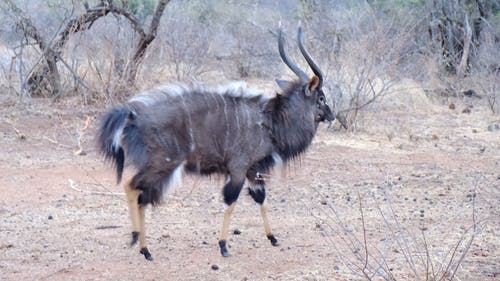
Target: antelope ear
x=313, y=85
x=283, y=84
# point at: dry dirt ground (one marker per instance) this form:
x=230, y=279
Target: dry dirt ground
x=408, y=190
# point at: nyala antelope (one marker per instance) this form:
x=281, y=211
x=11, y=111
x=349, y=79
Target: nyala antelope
x=232, y=130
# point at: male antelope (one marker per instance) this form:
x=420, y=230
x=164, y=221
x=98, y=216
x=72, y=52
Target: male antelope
x=232, y=130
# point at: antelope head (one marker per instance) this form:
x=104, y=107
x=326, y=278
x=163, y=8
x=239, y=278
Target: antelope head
x=312, y=87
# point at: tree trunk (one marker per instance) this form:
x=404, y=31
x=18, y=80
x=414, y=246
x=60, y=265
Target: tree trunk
x=144, y=42
x=451, y=31
x=462, y=67
x=46, y=79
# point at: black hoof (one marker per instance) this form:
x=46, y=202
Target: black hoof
x=223, y=248
x=135, y=237
x=273, y=240
x=146, y=254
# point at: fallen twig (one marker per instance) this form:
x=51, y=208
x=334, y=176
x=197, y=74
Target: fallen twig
x=72, y=185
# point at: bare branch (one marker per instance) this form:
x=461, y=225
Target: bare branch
x=364, y=236
x=144, y=42
x=462, y=67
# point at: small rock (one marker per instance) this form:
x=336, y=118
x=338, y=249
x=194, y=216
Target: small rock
x=50, y=217
x=236, y=232
x=481, y=253
x=215, y=267
x=7, y=246
x=451, y=106
x=494, y=127
x=80, y=152
x=467, y=110
x=335, y=267
x=474, y=131
x=471, y=93
x=323, y=202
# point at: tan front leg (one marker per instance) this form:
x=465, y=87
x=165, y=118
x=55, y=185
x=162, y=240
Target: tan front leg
x=263, y=212
x=267, y=226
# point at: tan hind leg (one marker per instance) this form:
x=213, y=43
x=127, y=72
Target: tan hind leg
x=142, y=233
x=137, y=217
x=231, y=191
x=133, y=208
x=225, y=230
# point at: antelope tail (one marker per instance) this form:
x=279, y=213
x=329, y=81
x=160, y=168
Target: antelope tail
x=111, y=136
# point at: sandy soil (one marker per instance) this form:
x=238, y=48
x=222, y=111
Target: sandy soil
x=420, y=173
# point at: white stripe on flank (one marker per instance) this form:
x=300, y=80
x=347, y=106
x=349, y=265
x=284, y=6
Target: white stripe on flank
x=117, y=138
x=278, y=161
x=175, y=178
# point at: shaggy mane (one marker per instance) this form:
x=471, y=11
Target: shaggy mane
x=237, y=89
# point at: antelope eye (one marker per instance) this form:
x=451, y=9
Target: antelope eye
x=322, y=99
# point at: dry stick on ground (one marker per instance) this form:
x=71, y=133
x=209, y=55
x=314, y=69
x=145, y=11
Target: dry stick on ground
x=19, y=134
x=72, y=185
x=98, y=183
x=54, y=141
